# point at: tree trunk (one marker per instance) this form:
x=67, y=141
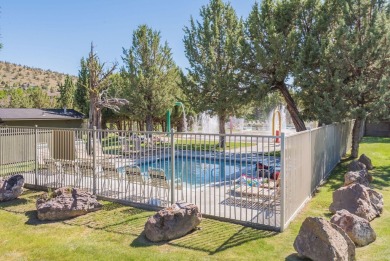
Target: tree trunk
x=91, y=114
x=180, y=125
x=119, y=124
x=356, y=138
x=163, y=126
x=221, y=123
x=292, y=108
x=94, y=113
x=149, y=123
x=98, y=118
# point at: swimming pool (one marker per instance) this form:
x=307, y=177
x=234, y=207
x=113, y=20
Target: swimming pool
x=201, y=171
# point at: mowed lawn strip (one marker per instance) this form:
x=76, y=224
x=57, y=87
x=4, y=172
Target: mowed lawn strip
x=115, y=233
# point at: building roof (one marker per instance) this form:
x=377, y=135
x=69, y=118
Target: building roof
x=7, y=114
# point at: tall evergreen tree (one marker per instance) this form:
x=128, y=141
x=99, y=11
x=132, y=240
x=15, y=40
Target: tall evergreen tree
x=344, y=66
x=150, y=74
x=67, y=93
x=213, y=47
x=273, y=42
x=81, y=93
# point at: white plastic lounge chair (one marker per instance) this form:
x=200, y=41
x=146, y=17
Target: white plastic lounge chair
x=134, y=179
x=158, y=179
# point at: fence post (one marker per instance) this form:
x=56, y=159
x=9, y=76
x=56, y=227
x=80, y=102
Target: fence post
x=94, y=159
x=173, y=166
x=283, y=182
x=36, y=154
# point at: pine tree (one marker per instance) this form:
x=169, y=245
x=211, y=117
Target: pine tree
x=151, y=76
x=213, y=47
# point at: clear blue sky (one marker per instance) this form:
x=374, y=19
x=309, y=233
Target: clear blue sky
x=51, y=34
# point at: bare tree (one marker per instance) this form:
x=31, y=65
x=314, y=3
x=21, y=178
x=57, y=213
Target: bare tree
x=97, y=85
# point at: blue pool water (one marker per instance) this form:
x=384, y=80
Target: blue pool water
x=200, y=171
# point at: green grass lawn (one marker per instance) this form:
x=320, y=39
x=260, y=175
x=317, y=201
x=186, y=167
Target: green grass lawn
x=16, y=167
x=115, y=233
x=113, y=147
x=209, y=145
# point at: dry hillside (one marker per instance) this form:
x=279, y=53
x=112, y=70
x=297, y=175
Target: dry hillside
x=14, y=75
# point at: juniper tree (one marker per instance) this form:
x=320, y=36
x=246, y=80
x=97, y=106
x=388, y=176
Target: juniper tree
x=214, y=49
x=67, y=93
x=95, y=83
x=150, y=74
x=18, y=99
x=38, y=98
x=344, y=66
x=273, y=41
x=81, y=92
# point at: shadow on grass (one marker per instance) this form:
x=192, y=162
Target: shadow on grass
x=212, y=237
x=296, y=257
x=381, y=177
x=142, y=241
x=13, y=203
x=33, y=219
x=336, y=179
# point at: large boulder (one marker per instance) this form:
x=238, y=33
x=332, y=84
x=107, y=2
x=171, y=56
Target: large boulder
x=356, y=166
x=358, y=229
x=366, y=161
x=318, y=239
x=360, y=177
x=66, y=203
x=173, y=222
x=376, y=199
x=11, y=188
x=359, y=200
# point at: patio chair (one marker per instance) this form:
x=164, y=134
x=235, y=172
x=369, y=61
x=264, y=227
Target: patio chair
x=70, y=171
x=104, y=170
x=51, y=168
x=109, y=173
x=158, y=179
x=84, y=173
x=134, y=178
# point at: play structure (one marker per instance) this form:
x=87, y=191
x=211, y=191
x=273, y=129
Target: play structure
x=168, y=117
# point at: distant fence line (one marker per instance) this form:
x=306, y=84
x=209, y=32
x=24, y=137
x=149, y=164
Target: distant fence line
x=254, y=180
